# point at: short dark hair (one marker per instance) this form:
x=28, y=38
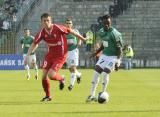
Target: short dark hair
x=26, y=29
x=69, y=19
x=45, y=15
x=106, y=17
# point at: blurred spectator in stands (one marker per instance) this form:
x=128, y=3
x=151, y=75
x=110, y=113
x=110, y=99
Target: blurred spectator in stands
x=89, y=42
x=128, y=55
x=112, y=10
x=6, y=25
x=99, y=20
x=118, y=7
x=1, y=24
x=129, y=3
x=14, y=18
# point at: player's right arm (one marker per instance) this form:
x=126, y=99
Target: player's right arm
x=97, y=51
x=32, y=48
x=34, y=45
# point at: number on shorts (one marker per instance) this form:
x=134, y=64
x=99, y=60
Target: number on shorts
x=102, y=61
x=44, y=64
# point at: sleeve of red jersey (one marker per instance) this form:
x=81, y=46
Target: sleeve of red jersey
x=38, y=37
x=63, y=29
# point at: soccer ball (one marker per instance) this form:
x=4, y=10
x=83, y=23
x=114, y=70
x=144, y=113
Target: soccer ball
x=103, y=97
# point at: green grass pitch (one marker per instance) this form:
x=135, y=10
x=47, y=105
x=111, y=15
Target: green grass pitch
x=134, y=93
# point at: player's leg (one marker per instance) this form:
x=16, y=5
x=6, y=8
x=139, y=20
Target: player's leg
x=94, y=83
x=53, y=75
x=72, y=63
x=105, y=80
x=72, y=77
x=78, y=74
x=35, y=66
x=45, y=81
x=26, y=66
x=98, y=70
x=129, y=63
x=46, y=86
x=109, y=67
x=53, y=72
x=125, y=63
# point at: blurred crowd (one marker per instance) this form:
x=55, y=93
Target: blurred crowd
x=8, y=12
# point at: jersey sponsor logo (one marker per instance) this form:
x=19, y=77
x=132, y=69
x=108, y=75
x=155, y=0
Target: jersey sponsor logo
x=105, y=43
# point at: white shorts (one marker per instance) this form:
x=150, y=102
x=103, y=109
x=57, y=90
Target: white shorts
x=73, y=58
x=31, y=59
x=107, y=62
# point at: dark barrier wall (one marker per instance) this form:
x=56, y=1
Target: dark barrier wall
x=11, y=62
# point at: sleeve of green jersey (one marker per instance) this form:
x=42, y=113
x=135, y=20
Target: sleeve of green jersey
x=118, y=36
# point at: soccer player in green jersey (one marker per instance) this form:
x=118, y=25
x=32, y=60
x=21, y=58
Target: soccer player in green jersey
x=26, y=42
x=73, y=55
x=110, y=58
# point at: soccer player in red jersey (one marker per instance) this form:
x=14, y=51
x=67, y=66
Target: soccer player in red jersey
x=55, y=37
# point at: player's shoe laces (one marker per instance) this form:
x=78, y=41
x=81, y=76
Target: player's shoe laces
x=36, y=77
x=61, y=84
x=46, y=99
x=90, y=98
x=79, y=79
x=70, y=87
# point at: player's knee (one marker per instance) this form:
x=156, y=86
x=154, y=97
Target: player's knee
x=51, y=75
x=33, y=64
x=98, y=69
x=26, y=67
x=107, y=70
x=72, y=69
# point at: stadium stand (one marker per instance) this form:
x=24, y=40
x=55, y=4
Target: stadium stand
x=141, y=22
x=138, y=20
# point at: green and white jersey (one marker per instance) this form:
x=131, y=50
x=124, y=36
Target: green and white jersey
x=109, y=39
x=72, y=41
x=26, y=41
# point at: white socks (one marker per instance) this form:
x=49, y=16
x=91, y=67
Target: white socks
x=72, y=78
x=105, y=81
x=95, y=81
x=36, y=70
x=28, y=72
x=94, y=84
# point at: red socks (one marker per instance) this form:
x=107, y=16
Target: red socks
x=46, y=87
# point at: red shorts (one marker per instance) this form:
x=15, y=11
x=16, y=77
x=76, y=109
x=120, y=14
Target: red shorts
x=53, y=63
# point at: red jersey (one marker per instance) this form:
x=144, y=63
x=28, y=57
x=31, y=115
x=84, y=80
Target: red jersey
x=55, y=36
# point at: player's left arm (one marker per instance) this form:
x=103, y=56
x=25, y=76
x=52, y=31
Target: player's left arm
x=119, y=49
x=119, y=46
x=32, y=48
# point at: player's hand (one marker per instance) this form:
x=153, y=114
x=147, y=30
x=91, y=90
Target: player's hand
x=117, y=65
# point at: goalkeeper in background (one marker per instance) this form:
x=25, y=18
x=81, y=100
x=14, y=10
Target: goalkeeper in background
x=109, y=60
x=26, y=42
